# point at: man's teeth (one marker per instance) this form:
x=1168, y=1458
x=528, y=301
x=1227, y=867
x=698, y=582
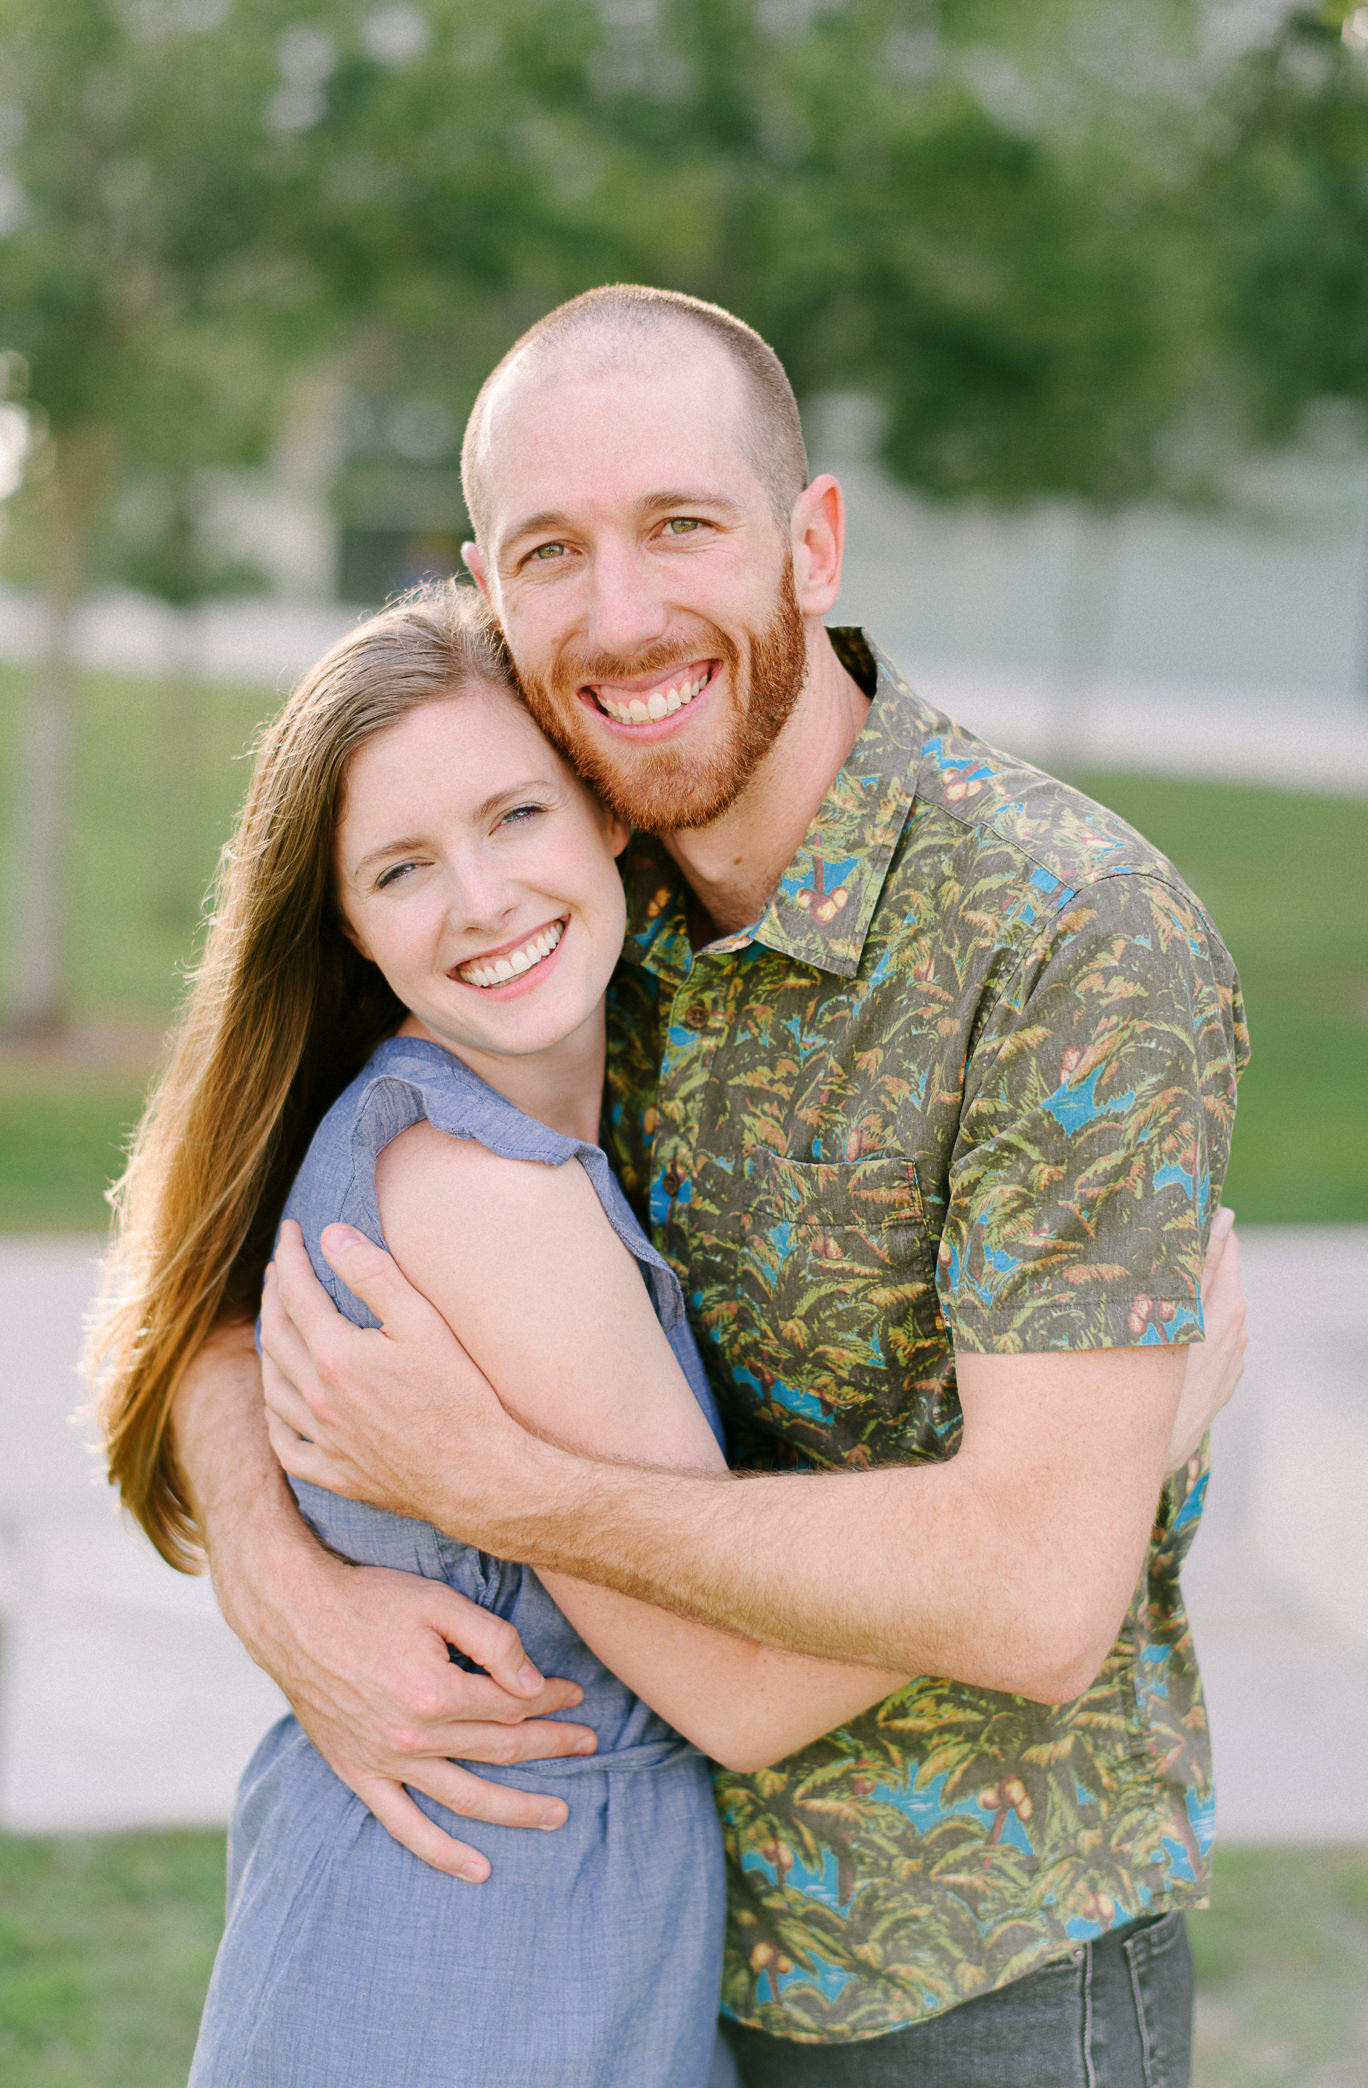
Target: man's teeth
x=497, y=971
x=661, y=703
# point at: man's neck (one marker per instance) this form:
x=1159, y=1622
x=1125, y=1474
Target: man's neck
x=733, y=865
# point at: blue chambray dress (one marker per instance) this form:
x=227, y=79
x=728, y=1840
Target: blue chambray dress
x=590, y=1958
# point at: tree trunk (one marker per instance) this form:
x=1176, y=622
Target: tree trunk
x=179, y=759
x=43, y=836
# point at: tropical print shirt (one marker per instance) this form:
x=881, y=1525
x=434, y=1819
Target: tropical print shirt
x=968, y=1083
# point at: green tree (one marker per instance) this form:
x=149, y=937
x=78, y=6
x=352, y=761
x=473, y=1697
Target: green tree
x=133, y=190
x=1285, y=190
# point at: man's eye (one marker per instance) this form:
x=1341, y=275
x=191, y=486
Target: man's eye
x=683, y=525
x=546, y=552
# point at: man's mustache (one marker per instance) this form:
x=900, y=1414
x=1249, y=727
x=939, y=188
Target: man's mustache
x=576, y=669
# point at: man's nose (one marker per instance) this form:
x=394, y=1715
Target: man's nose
x=626, y=612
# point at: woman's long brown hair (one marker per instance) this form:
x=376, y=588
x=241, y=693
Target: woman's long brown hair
x=281, y=1013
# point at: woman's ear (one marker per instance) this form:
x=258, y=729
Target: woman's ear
x=352, y=937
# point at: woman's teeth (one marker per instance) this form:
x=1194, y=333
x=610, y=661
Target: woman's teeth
x=661, y=703
x=497, y=971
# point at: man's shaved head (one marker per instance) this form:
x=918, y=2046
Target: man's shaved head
x=627, y=321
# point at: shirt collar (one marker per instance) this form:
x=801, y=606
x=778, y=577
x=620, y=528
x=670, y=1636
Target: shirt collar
x=821, y=908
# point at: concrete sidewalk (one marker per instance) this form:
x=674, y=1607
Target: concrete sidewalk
x=125, y=1701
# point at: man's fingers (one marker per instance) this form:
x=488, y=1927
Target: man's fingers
x=474, y=1798
x=489, y=1640
x=281, y=1343
x=283, y=1398
x=534, y=1740
x=456, y=1697
x=301, y=1297
x=414, y=1831
x=469, y=1798
x=373, y=1276
x=298, y=1456
x=1221, y=1236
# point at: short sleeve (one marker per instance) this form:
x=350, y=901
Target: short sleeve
x=1099, y=1100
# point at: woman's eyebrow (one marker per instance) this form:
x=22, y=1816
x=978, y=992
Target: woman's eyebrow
x=512, y=790
x=388, y=848
x=411, y=843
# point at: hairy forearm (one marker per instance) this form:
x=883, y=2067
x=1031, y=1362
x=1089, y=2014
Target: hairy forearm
x=252, y=1528
x=914, y=1570
x=1010, y=1565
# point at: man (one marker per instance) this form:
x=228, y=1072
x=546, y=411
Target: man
x=925, y=1068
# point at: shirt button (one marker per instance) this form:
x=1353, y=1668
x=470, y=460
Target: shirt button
x=696, y=1016
x=670, y=1180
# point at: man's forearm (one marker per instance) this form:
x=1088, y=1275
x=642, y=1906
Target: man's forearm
x=1010, y=1565
x=913, y=1569
x=242, y=1500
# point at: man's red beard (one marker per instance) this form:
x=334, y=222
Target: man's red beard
x=661, y=787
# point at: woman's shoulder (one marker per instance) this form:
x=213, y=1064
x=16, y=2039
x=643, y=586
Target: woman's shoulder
x=430, y=1173
x=406, y=1080
x=390, y=1092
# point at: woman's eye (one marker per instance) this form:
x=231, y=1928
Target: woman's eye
x=392, y=875
x=519, y=814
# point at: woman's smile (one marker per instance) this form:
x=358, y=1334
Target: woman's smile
x=478, y=873
x=520, y=963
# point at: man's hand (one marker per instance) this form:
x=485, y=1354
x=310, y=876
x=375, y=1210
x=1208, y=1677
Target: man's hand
x=1214, y=1365
x=372, y=1413
x=361, y=1654
x=386, y=1707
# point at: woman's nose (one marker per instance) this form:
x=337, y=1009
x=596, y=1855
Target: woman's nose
x=480, y=894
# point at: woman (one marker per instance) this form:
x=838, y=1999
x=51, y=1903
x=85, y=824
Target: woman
x=418, y=916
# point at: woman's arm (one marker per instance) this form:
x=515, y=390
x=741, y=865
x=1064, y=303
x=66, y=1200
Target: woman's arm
x=522, y=1262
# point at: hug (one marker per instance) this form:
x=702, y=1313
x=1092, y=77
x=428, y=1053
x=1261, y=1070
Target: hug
x=751, y=1419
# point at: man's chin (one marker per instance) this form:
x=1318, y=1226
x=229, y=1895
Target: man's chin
x=662, y=796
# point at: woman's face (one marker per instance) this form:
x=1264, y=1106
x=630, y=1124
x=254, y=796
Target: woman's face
x=477, y=871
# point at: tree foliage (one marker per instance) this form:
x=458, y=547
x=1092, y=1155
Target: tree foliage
x=1042, y=237
x=1061, y=245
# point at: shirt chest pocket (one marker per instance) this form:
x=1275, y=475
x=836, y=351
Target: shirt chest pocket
x=838, y=1281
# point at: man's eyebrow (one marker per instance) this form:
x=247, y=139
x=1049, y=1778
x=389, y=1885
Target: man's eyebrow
x=549, y=521
x=553, y=521
x=690, y=497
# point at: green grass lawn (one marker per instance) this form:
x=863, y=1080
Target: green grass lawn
x=105, y=1953
x=1285, y=878
x=1283, y=875
x=105, y=1949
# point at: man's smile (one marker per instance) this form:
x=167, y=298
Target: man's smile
x=651, y=699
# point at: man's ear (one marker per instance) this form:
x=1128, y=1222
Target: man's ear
x=616, y=829
x=818, y=537
x=475, y=565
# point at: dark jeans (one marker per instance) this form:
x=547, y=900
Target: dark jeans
x=1116, y=2013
